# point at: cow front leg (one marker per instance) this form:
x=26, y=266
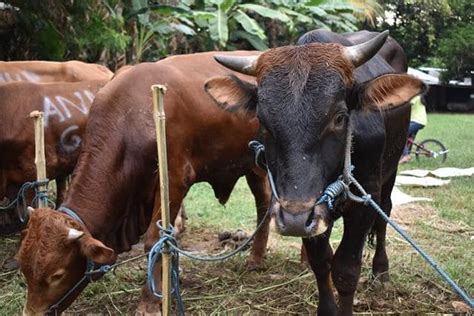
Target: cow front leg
x=347, y=261
x=262, y=194
x=319, y=255
x=61, y=188
x=380, y=263
x=150, y=304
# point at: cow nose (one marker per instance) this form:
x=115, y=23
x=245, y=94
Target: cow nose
x=301, y=223
x=295, y=223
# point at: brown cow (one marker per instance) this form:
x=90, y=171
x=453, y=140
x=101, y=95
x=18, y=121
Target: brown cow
x=52, y=71
x=65, y=107
x=114, y=186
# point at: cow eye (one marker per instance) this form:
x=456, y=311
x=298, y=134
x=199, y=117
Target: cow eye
x=56, y=277
x=340, y=119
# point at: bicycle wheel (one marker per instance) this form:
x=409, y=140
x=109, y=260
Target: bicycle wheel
x=431, y=148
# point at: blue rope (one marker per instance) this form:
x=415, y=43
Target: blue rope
x=20, y=200
x=163, y=246
x=367, y=200
x=167, y=243
x=332, y=192
x=340, y=189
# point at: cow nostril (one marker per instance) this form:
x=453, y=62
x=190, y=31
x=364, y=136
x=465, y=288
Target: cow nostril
x=310, y=221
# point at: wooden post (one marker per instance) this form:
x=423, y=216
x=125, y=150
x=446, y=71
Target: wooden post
x=40, y=159
x=160, y=119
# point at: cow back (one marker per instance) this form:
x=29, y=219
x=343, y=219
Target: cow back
x=49, y=71
x=204, y=142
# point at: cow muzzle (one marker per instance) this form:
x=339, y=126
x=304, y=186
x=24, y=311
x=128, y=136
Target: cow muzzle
x=305, y=223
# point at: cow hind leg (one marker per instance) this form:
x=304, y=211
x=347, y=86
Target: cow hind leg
x=319, y=255
x=261, y=191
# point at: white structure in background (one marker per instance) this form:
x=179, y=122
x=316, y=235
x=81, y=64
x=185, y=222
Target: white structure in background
x=426, y=78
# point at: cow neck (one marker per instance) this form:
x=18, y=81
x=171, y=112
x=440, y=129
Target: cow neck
x=115, y=208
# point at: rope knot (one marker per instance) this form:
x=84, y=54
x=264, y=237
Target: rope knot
x=366, y=198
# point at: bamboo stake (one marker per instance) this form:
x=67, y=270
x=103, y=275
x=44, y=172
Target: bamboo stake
x=40, y=158
x=160, y=120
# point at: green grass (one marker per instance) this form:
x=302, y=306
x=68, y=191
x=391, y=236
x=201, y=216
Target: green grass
x=442, y=227
x=453, y=202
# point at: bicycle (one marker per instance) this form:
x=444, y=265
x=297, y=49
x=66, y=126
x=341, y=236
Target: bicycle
x=429, y=148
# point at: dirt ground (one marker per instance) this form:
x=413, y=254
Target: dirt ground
x=285, y=286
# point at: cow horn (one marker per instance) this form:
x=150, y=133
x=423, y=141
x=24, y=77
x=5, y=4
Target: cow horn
x=30, y=210
x=242, y=64
x=74, y=234
x=360, y=53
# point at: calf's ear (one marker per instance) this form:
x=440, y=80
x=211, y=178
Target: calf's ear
x=232, y=94
x=390, y=91
x=96, y=250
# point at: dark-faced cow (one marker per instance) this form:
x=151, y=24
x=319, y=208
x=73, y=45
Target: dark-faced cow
x=52, y=71
x=65, y=107
x=394, y=55
x=114, y=188
x=306, y=96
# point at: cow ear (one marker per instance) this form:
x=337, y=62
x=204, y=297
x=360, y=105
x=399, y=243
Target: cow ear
x=232, y=94
x=390, y=91
x=96, y=250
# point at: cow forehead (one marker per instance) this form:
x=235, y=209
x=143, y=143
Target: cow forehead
x=303, y=58
x=44, y=243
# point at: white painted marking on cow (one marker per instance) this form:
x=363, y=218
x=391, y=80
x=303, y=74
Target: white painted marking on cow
x=7, y=77
x=30, y=76
x=70, y=142
x=21, y=76
x=61, y=106
x=50, y=109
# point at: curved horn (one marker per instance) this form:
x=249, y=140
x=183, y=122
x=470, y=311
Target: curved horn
x=242, y=64
x=360, y=53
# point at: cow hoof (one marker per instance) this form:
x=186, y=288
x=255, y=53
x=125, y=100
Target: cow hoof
x=145, y=309
x=382, y=277
x=254, y=264
x=10, y=264
x=144, y=313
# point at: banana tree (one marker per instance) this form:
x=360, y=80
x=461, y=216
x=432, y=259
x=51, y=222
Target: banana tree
x=220, y=16
x=236, y=20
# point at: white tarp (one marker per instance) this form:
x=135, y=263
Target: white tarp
x=440, y=173
x=420, y=182
x=423, y=76
x=398, y=197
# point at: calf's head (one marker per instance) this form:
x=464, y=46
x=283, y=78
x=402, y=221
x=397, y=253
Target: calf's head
x=303, y=98
x=53, y=258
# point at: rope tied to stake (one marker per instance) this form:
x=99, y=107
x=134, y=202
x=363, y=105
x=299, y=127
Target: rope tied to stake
x=167, y=238
x=168, y=243
x=20, y=201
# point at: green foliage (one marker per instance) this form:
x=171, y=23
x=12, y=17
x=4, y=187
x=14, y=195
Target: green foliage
x=433, y=32
x=99, y=34
x=113, y=31
x=272, y=23
x=456, y=51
